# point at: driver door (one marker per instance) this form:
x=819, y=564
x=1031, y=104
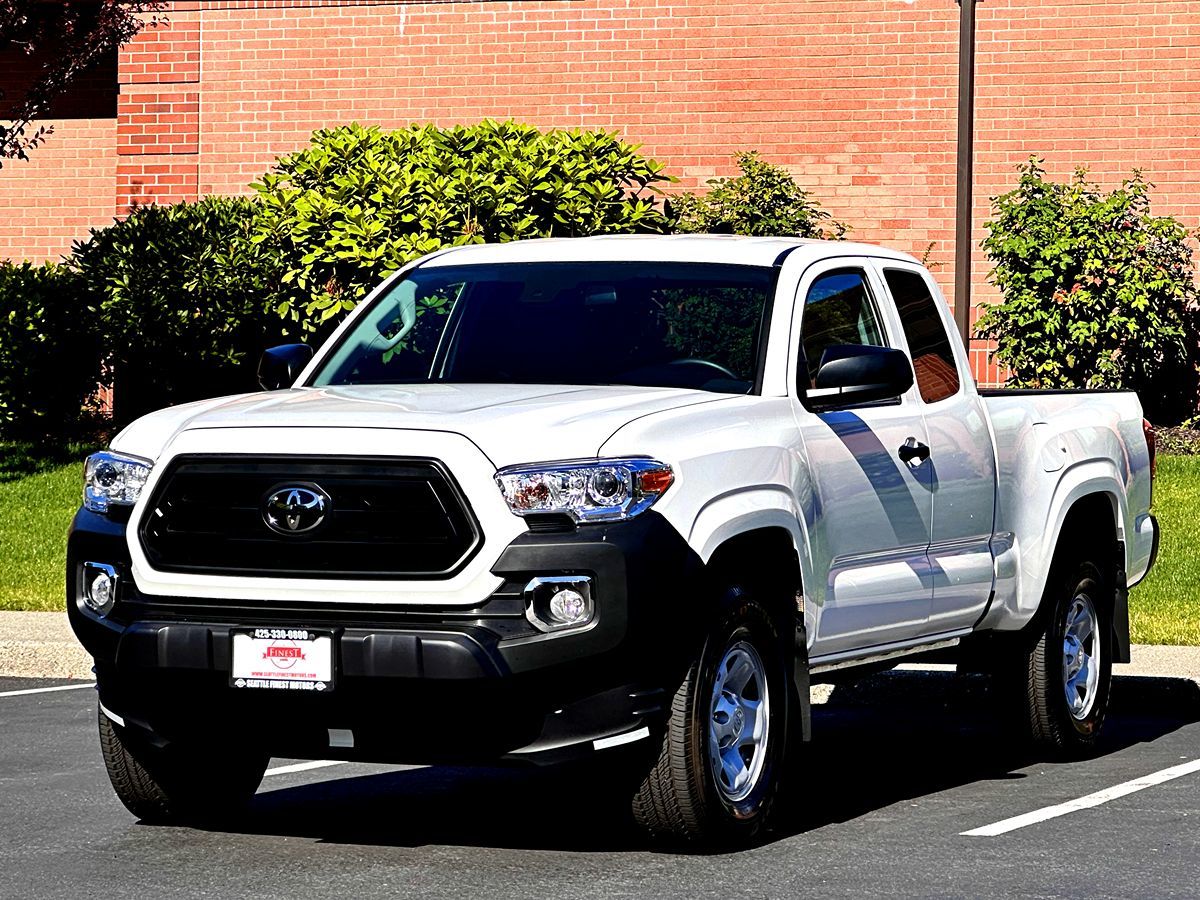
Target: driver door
x=871, y=512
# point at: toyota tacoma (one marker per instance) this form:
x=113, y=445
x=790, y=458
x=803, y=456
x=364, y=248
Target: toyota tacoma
x=620, y=495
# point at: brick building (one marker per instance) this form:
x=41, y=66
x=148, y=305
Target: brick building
x=856, y=98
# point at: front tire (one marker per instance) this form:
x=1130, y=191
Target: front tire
x=1066, y=677
x=717, y=773
x=176, y=783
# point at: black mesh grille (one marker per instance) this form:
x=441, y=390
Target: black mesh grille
x=387, y=518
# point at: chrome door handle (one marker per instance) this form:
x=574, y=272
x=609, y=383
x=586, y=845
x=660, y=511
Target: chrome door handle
x=913, y=452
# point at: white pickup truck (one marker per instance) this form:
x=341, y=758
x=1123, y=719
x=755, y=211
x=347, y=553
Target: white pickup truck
x=538, y=500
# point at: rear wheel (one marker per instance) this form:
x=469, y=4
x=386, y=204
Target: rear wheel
x=177, y=783
x=717, y=773
x=1066, y=676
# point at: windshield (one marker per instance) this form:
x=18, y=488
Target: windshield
x=651, y=324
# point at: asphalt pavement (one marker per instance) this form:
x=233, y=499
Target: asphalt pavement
x=902, y=764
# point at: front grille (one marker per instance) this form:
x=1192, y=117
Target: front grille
x=386, y=518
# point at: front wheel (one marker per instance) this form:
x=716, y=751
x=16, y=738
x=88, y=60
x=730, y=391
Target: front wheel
x=177, y=783
x=718, y=769
x=1066, y=676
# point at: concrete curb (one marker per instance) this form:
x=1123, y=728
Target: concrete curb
x=41, y=645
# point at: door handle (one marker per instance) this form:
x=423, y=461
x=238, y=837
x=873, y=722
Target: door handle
x=913, y=452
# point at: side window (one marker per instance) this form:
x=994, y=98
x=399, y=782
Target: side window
x=838, y=310
x=932, y=355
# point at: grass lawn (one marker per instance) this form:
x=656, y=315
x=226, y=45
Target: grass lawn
x=38, y=496
x=1165, y=608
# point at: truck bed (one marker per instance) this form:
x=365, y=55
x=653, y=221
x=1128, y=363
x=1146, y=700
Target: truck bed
x=1052, y=447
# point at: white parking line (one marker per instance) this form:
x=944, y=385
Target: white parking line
x=61, y=687
x=305, y=766
x=1062, y=809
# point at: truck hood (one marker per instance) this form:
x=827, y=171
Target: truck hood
x=509, y=423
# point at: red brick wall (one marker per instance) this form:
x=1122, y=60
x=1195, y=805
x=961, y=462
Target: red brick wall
x=856, y=98
x=1107, y=85
x=67, y=185
x=65, y=188
x=158, y=133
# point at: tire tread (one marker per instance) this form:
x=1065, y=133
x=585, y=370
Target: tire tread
x=133, y=783
x=672, y=801
x=176, y=784
x=1041, y=695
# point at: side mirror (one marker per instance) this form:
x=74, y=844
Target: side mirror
x=852, y=374
x=281, y=366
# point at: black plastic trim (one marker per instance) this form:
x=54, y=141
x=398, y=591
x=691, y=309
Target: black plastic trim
x=764, y=335
x=1120, y=613
x=1153, y=545
x=784, y=254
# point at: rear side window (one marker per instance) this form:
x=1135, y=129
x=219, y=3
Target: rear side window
x=838, y=310
x=932, y=355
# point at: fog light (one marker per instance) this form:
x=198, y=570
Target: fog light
x=99, y=587
x=100, y=593
x=557, y=602
x=568, y=607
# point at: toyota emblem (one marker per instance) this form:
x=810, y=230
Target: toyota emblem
x=295, y=508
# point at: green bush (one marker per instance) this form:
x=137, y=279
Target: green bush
x=183, y=299
x=49, y=352
x=360, y=203
x=175, y=303
x=1179, y=440
x=1097, y=292
x=764, y=200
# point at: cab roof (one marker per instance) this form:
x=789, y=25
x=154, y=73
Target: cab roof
x=694, y=248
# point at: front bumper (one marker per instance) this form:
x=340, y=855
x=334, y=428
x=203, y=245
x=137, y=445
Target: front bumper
x=413, y=685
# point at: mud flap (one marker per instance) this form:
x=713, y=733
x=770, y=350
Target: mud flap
x=800, y=681
x=1120, y=616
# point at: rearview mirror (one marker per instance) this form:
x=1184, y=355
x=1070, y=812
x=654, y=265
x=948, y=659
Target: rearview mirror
x=281, y=366
x=851, y=373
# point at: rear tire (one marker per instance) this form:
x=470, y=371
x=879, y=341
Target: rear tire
x=176, y=783
x=718, y=768
x=1065, y=678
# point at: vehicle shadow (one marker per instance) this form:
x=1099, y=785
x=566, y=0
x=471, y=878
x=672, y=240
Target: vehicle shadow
x=884, y=740
x=910, y=734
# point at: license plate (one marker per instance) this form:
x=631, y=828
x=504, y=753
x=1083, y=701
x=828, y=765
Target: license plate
x=282, y=659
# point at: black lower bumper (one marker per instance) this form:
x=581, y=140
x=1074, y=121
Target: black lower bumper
x=412, y=685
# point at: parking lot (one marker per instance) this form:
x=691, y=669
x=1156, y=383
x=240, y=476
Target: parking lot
x=901, y=766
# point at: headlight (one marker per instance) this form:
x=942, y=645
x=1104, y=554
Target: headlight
x=110, y=479
x=603, y=490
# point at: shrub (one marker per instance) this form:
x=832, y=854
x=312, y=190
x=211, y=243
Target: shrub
x=1180, y=440
x=1097, y=292
x=763, y=200
x=49, y=352
x=360, y=203
x=183, y=301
